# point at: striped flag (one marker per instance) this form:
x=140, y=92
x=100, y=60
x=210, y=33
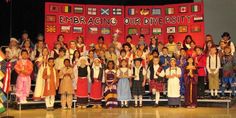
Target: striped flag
x=7, y=78
x=131, y=11
x=198, y=18
x=170, y=11
x=67, y=9
x=117, y=11
x=195, y=28
x=156, y=31
x=195, y=8
x=2, y=56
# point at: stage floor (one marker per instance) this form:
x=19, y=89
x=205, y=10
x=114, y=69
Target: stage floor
x=145, y=112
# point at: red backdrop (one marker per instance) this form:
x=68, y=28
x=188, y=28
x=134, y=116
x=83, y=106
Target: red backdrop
x=91, y=21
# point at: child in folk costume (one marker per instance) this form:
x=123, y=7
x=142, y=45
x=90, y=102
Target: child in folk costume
x=164, y=58
x=110, y=93
x=213, y=66
x=71, y=49
x=91, y=57
x=42, y=63
x=123, y=56
x=66, y=85
x=127, y=47
x=81, y=47
x=228, y=71
x=173, y=73
x=156, y=74
x=75, y=59
x=111, y=54
x=14, y=49
x=97, y=78
x=200, y=61
x=191, y=79
x=59, y=61
x=24, y=68
x=123, y=87
x=138, y=83
x=50, y=76
x=55, y=51
x=82, y=80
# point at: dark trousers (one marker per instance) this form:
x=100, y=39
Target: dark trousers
x=201, y=86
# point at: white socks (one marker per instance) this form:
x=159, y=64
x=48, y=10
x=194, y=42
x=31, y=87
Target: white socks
x=140, y=100
x=157, y=97
x=214, y=92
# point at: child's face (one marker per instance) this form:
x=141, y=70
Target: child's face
x=96, y=62
x=137, y=63
x=101, y=53
x=80, y=40
x=72, y=45
x=188, y=40
x=190, y=60
x=123, y=63
x=67, y=63
x=25, y=36
x=172, y=63
x=27, y=44
x=45, y=52
x=222, y=45
x=77, y=54
x=13, y=43
x=61, y=38
x=126, y=48
x=139, y=53
x=141, y=47
x=208, y=38
x=153, y=41
x=24, y=55
x=100, y=41
x=192, y=45
x=111, y=49
x=183, y=52
x=141, y=38
x=179, y=46
x=40, y=45
x=156, y=61
x=213, y=51
x=83, y=62
x=123, y=54
x=91, y=54
x=155, y=54
x=110, y=65
x=129, y=40
x=198, y=51
x=209, y=44
x=61, y=53
x=165, y=51
x=51, y=63
x=227, y=50
x=58, y=46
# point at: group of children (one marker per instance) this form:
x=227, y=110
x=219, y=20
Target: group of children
x=120, y=72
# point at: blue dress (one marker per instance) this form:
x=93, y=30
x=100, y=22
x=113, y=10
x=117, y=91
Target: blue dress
x=123, y=87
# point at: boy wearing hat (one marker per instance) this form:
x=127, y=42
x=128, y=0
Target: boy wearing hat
x=138, y=83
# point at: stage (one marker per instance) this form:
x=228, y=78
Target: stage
x=145, y=112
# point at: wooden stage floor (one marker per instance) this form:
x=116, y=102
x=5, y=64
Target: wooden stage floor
x=145, y=112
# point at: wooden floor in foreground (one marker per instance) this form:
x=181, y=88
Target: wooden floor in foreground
x=145, y=112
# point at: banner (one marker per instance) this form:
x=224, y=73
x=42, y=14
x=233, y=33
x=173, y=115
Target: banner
x=92, y=21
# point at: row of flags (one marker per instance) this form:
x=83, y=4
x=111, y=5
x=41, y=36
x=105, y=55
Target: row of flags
x=118, y=11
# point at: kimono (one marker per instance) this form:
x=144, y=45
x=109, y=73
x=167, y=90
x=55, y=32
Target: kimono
x=97, y=77
x=82, y=75
x=191, y=87
x=40, y=82
x=23, y=82
x=110, y=93
x=173, y=86
x=228, y=73
x=137, y=88
x=201, y=70
x=123, y=86
x=66, y=86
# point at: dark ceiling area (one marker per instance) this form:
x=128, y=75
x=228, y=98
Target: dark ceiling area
x=29, y=14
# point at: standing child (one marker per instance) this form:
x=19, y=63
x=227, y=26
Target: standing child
x=110, y=92
x=82, y=75
x=190, y=79
x=97, y=78
x=173, y=73
x=123, y=87
x=213, y=66
x=228, y=71
x=66, y=86
x=155, y=74
x=138, y=83
x=50, y=77
x=24, y=68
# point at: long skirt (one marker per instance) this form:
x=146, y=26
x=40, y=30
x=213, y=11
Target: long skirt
x=191, y=95
x=23, y=85
x=96, y=92
x=39, y=86
x=110, y=94
x=123, y=90
x=173, y=91
x=213, y=80
x=82, y=91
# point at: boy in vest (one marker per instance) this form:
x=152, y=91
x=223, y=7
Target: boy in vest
x=138, y=83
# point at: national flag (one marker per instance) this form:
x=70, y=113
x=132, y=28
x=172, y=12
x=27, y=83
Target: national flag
x=2, y=56
x=182, y=9
x=183, y=29
x=67, y=9
x=77, y=29
x=78, y=10
x=195, y=8
x=50, y=28
x=105, y=31
x=144, y=12
x=7, y=78
x=170, y=11
x=117, y=11
x=131, y=11
x=93, y=30
x=92, y=11
x=105, y=11
x=156, y=11
x=54, y=8
x=170, y=30
x=198, y=18
x=65, y=29
x=156, y=31
x=2, y=108
x=195, y=28
x=132, y=31
x=144, y=31
x=50, y=18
